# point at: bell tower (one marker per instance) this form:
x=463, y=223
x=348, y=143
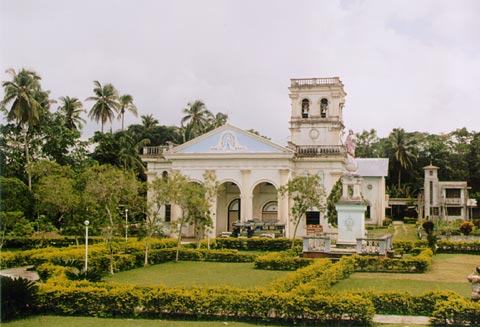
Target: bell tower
x=316, y=122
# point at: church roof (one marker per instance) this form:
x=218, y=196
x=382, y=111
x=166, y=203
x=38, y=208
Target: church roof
x=229, y=139
x=372, y=167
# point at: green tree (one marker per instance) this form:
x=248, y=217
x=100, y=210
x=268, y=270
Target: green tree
x=55, y=192
x=22, y=92
x=126, y=104
x=105, y=189
x=196, y=120
x=403, y=148
x=148, y=121
x=333, y=197
x=106, y=103
x=218, y=120
x=368, y=145
x=72, y=108
x=306, y=194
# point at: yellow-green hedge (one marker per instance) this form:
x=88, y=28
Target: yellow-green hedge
x=103, y=300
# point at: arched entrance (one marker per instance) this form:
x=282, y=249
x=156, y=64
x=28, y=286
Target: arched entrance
x=233, y=213
x=265, y=206
x=228, y=206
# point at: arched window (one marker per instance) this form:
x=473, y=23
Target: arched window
x=165, y=175
x=269, y=212
x=233, y=213
x=305, y=108
x=323, y=108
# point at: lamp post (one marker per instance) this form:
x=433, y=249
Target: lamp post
x=86, y=222
x=126, y=225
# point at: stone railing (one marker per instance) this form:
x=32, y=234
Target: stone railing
x=309, y=82
x=154, y=151
x=374, y=245
x=318, y=150
x=316, y=244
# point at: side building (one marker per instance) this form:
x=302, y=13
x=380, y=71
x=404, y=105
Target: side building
x=445, y=200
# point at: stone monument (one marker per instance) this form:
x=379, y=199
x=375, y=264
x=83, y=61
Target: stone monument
x=351, y=207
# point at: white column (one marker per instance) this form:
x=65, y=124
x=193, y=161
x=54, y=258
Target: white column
x=246, y=210
x=283, y=209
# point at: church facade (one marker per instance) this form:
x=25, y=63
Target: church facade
x=251, y=169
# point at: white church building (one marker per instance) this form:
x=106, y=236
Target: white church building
x=252, y=168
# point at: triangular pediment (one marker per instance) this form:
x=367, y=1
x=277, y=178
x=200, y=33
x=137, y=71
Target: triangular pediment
x=228, y=139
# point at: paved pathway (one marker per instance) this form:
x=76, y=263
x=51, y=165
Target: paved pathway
x=393, y=319
x=20, y=272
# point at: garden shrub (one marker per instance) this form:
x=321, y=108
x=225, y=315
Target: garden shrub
x=301, y=276
x=102, y=300
x=456, y=312
x=417, y=264
x=252, y=244
x=18, y=297
x=285, y=260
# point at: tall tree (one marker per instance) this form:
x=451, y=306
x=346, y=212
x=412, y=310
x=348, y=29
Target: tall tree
x=72, y=108
x=148, y=121
x=126, y=104
x=402, y=146
x=196, y=119
x=306, y=194
x=106, y=103
x=105, y=189
x=23, y=92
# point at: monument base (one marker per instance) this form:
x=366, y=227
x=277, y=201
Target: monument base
x=351, y=222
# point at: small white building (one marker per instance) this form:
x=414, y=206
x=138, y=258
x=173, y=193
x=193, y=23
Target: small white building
x=252, y=168
x=445, y=200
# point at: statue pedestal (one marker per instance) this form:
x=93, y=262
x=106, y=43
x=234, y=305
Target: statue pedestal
x=351, y=221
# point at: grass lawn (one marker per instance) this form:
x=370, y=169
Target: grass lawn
x=55, y=321
x=198, y=273
x=400, y=231
x=448, y=272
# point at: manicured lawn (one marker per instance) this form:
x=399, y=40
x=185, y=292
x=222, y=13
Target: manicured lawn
x=448, y=272
x=400, y=231
x=55, y=321
x=198, y=273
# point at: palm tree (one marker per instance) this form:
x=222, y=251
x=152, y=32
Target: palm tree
x=195, y=120
x=126, y=104
x=22, y=91
x=219, y=119
x=403, y=147
x=72, y=108
x=106, y=103
x=148, y=121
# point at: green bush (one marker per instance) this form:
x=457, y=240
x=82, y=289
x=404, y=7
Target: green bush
x=252, y=244
x=456, y=312
x=18, y=297
x=417, y=264
x=285, y=260
x=102, y=300
x=404, y=303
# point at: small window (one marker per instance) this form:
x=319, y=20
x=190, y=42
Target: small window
x=454, y=211
x=452, y=193
x=168, y=212
x=165, y=175
x=305, y=108
x=313, y=218
x=431, y=172
x=368, y=213
x=323, y=108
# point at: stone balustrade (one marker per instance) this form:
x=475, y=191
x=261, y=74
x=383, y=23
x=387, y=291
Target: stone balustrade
x=316, y=244
x=309, y=82
x=375, y=245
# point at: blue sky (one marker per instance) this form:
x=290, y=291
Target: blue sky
x=410, y=64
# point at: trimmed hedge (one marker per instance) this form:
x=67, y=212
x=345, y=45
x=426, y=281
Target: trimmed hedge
x=456, y=312
x=285, y=260
x=252, y=244
x=443, y=246
x=416, y=264
x=104, y=300
x=404, y=303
